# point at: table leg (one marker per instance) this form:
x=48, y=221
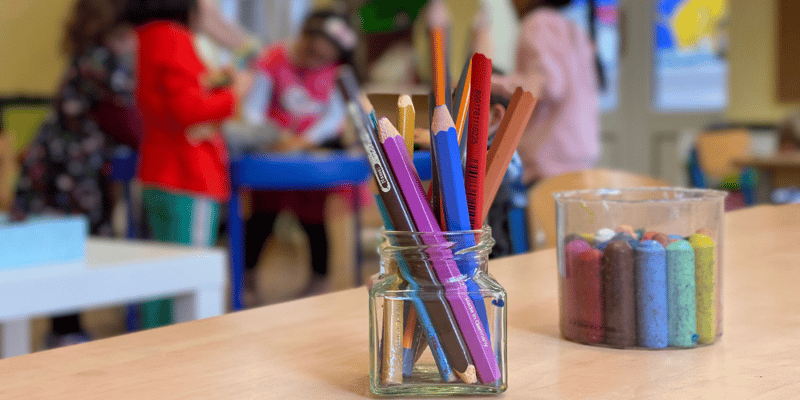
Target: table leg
x=15, y=338
x=236, y=247
x=203, y=303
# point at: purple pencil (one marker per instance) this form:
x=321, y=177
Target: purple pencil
x=443, y=264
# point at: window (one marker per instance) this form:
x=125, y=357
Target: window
x=607, y=41
x=691, y=70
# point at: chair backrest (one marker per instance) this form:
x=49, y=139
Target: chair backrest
x=542, y=208
x=716, y=151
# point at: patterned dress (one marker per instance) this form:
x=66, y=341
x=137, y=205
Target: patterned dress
x=65, y=170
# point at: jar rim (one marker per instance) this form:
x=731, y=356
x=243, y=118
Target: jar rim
x=617, y=195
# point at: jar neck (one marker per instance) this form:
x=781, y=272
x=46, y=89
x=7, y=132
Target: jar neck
x=426, y=255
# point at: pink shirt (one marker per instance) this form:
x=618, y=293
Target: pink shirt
x=556, y=60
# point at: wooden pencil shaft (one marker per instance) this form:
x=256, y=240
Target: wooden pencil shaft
x=450, y=335
x=505, y=143
x=461, y=98
x=477, y=137
x=446, y=270
x=405, y=121
x=438, y=66
x=400, y=219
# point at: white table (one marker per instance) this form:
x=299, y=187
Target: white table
x=116, y=272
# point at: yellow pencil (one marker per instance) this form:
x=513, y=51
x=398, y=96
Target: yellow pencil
x=405, y=121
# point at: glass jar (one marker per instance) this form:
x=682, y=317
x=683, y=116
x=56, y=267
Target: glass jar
x=640, y=267
x=437, y=318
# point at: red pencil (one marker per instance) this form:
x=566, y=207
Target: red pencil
x=477, y=136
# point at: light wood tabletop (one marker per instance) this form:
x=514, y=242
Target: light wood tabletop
x=778, y=170
x=318, y=347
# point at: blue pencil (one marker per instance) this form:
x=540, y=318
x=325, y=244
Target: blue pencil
x=422, y=314
x=454, y=200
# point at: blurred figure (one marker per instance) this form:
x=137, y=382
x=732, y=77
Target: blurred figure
x=555, y=61
x=183, y=164
x=295, y=92
x=789, y=134
x=65, y=170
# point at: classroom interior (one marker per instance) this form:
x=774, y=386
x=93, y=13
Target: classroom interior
x=723, y=88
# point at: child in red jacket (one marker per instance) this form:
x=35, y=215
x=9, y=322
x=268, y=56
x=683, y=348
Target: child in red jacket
x=183, y=164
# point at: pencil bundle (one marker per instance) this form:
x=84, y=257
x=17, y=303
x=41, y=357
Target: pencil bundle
x=445, y=308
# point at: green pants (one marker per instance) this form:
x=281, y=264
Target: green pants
x=176, y=218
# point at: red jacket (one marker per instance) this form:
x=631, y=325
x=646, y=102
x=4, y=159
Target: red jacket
x=172, y=100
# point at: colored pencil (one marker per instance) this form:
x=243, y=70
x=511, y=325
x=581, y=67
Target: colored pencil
x=505, y=143
x=478, y=136
x=454, y=201
x=393, y=355
x=405, y=121
x=432, y=311
x=461, y=98
x=446, y=270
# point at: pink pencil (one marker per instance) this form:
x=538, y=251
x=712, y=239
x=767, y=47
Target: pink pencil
x=444, y=265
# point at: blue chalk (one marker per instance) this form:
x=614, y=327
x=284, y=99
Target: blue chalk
x=676, y=237
x=651, y=294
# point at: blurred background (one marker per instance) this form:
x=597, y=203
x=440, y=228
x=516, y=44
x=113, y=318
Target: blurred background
x=671, y=71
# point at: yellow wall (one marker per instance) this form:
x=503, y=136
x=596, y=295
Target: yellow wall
x=30, y=36
x=751, y=58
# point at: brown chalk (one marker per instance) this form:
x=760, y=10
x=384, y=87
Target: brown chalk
x=619, y=295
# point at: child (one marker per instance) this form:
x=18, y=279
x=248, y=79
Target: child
x=555, y=61
x=65, y=169
x=183, y=164
x=296, y=92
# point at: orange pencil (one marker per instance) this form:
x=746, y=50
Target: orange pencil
x=505, y=143
x=462, y=97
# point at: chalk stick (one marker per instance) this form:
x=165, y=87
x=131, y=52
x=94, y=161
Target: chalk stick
x=572, y=250
x=648, y=235
x=651, y=295
x=589, y=292
x=705, y=288
x=632, y=241
x=588, y=237
x=626, y=229
x=571, y=237
x=603, y=235
x=681, y=294
x=664, y=239
x=619, y=289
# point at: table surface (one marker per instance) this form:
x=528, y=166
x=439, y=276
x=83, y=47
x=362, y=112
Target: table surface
x=318, y=347
x=114, y=270
x=791, y=160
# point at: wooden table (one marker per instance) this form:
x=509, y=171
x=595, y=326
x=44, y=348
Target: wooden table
x=115, y=272
x=779, y=170
x=318, y=347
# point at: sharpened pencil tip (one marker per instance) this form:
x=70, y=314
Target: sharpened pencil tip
x=366, y=104
x=468, y=376
x=442, y=120
x=386, y=129
x=405, y=100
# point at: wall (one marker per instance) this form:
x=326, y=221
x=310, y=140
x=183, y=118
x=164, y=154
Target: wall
x=30, y=38
x=752, y=72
